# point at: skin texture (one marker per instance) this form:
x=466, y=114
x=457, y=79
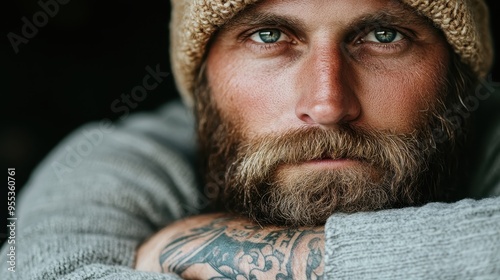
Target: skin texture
x=229, y=247
x=325, y=70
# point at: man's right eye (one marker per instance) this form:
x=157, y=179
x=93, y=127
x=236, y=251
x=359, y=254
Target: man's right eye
x=268, y=36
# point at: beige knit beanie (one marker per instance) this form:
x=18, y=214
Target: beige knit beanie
x=465, y=24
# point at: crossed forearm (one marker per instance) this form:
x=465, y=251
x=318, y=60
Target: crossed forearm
x=222, y=246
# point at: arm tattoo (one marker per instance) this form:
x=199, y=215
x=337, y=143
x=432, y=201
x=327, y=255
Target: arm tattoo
x=245, y=252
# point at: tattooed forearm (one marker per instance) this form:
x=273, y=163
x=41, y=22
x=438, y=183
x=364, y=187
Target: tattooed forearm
x=230, y=249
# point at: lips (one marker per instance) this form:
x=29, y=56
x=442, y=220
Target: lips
x=329, y=162
x=340, y=157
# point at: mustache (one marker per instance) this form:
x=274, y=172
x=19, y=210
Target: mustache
x=384, y=150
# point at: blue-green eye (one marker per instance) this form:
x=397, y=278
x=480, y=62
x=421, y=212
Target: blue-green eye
x=268, y=36
x=383, y=35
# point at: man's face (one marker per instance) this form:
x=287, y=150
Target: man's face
x=325, y=104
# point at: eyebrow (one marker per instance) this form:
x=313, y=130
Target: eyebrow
x=256, y=18
x=403, y=16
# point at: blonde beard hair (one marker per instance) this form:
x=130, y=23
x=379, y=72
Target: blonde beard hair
x=384, y=173
x=268, y=180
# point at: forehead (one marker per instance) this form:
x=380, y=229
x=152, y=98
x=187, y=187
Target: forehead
x=335, y=13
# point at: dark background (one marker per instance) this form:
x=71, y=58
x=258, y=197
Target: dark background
x=72, y=70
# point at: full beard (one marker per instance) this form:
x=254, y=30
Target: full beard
x=276, y=186
x=264, y=178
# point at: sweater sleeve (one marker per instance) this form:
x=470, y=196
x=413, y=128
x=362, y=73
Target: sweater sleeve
x=436, y=241
x=100, y=193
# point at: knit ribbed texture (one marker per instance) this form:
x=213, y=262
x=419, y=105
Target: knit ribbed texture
x=464, y=22
x=437, y=241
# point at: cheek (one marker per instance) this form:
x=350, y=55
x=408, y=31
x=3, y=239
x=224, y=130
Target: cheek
x=398, y=100
x=246, y=90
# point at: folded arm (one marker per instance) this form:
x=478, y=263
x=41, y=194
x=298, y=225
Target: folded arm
x=221, y=246
x=456, y=241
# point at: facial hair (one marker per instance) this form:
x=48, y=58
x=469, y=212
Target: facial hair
x=264, y=178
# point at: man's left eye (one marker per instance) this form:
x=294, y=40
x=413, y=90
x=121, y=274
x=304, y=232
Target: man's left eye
x=383, y=35
x=268, y=36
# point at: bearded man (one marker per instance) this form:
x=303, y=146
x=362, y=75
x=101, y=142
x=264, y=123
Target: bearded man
x=334, y=139
x=310, y=108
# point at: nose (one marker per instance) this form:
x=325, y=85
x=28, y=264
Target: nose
x=327, y=97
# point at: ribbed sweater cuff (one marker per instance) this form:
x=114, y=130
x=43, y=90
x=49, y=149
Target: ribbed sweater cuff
x=435, y=241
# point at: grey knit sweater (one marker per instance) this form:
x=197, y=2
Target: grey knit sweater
x=105, y=189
